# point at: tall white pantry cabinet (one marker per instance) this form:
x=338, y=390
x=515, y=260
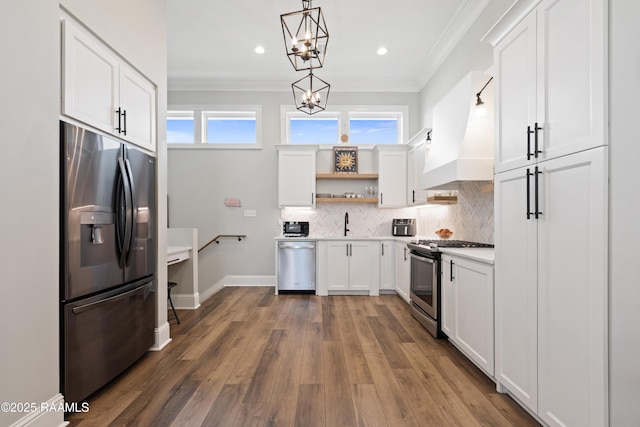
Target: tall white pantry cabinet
x=550, y=64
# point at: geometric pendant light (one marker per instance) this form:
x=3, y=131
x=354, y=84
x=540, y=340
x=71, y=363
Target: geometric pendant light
x=305, y=37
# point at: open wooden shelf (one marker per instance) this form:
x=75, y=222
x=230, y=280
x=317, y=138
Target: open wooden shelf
x=444, y=200
x=346, y=200
x=347, y=176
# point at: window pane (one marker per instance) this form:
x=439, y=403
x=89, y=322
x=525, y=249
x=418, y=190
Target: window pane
x=373, y=131
x=313, y=131
x=180, y=130
x=231, y=131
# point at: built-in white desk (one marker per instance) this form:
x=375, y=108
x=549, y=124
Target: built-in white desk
x=182, y=266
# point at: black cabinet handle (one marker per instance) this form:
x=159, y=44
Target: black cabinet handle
x=381, y=199
x=451, y=271
x=347, y=246
x=413, y=196
x=405, y=254
x=537, y=128
x=529, y=193
x=537, y=211
x=311, y=198
x=124, y=118
x=529, y=132
x=119, y=113
x=382, y=244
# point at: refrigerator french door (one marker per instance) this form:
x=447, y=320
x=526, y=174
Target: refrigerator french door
x=108, y=259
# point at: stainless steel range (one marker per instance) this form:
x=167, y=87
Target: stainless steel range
x=425, y=279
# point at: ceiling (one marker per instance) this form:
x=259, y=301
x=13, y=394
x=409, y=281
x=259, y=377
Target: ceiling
x=211, y=43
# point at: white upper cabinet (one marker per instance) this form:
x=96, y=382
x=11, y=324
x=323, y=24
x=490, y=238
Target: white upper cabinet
x=415, y=166
x=550, y=70
x=392, y=176
x=103, y=91
x=296, y=176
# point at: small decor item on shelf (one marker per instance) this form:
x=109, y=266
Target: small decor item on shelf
x=345, y=159
x=444, y=233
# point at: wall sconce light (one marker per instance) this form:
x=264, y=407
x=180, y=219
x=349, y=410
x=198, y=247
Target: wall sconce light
x=428, y=140
x=481, y=109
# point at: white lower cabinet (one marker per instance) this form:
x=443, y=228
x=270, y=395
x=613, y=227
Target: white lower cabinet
x=467, y=308
x=387, y=267
x=351, y=266
x=402, y=270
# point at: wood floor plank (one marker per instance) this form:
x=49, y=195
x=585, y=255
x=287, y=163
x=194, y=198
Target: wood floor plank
x=396, y=408
x=389, y=344
x=311, y=408
x=225, y=408
x=330, y=325
x=472, y=397
x=368, y=407
x=213, y=380
x=284, y=399
x=266, y=373
x=251, y=415
x=424, y=408
x=355, y=362
x=339, y=403
x=442, y=393
x=312, y=356
x=248, y=357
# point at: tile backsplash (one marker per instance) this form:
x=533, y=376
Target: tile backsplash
x=470, y=219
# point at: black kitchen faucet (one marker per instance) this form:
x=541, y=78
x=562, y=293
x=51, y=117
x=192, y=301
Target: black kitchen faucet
x=346, y=222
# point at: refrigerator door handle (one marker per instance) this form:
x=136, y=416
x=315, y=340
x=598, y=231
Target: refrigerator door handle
x=82, y=308
x=124, y=190
x=132, y=213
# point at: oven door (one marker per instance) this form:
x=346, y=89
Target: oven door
x=424, y=284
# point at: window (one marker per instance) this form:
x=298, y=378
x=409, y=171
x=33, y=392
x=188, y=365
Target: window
x=219, y=127
x=305, y=130
x=352, y=125
x=180, y=127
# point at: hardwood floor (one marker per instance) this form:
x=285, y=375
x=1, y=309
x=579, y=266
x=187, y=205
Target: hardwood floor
x=248, y=357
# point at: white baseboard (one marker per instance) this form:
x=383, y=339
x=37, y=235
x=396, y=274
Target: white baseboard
x=186, y=301
x=238, y=281
x=46, y=414
x=162, y=337
x=250, y=281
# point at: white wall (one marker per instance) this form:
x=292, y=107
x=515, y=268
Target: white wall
x=624, y=233
x=199, y=180
x=470, y=54
x=29, y=169
x=29, y=90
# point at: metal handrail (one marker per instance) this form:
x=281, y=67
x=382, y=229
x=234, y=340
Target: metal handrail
x=217, y=239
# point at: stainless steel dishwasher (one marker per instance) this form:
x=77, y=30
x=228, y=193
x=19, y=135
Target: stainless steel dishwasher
x=297, y=266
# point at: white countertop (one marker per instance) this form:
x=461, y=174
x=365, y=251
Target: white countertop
x=171, y=250
x=373, y=238
x=486, y=255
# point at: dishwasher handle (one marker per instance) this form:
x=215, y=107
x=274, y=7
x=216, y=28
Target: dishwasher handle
x=297, y=245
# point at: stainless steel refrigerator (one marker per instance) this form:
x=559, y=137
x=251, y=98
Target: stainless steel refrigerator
x=108, y=259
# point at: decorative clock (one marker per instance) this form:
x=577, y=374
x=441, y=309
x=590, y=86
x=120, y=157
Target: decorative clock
x=345, y=159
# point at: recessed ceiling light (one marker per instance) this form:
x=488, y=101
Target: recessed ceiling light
x=382, y=51
x=259, y=50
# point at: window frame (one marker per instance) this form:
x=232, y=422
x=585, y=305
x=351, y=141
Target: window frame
x=201, y=113
x=345, y=114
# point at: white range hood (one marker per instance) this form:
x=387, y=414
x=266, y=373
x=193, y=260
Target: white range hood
x=462, y=140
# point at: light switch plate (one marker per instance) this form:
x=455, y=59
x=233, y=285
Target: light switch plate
x=249, y=212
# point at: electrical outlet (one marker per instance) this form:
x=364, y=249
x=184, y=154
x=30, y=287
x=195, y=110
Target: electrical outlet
x=249, y=212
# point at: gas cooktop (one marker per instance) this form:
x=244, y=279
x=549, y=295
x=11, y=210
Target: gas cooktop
x=441, y=243
x=432, y=247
